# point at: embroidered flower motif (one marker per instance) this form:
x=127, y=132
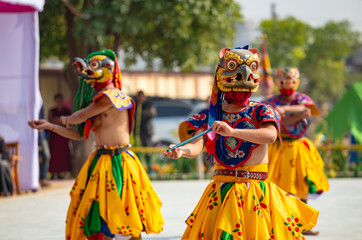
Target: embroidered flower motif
x=94, y=177
x=236, y=154
x=75, y=184
x=125, y=230
x=272, y=234
x=259, y=206
x=239, y=199
x=191, y=219
x=294, y=226
x=238, y=229
x=199, y=116
x=75, y=211
x=240, y=154
x=213, y=198
x=110, y=186
x=133, y=181
x=142, y=216
x=213, y=201
x=140, y=202
x=81, y=223
x=127, y=210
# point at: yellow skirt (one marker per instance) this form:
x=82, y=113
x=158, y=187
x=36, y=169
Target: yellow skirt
x=297, y=168
x=113, y=195
x=243, y=209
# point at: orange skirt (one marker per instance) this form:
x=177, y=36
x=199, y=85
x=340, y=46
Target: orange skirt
x=297, y=168
x=244, y=209
x=115, y=190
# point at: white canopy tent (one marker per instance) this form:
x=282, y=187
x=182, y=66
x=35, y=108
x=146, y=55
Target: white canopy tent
x=20, y=98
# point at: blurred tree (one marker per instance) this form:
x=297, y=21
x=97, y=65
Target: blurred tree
x=325, y=67
x=181, y=34
x=319, y=53
x=286, y=40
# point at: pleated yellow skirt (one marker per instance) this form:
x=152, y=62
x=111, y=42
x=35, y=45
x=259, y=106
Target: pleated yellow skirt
x=297, y=168
x=113, y=190
x=243, y=209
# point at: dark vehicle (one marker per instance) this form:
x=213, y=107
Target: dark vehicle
x=170, y=113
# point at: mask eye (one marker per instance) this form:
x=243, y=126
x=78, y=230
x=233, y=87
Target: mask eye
x=253, y=66
x=94, y=64
x=231, y=65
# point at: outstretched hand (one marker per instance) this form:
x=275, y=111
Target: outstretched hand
x=40, y=124
x=222, y=128
x=174, y=154
x=64, y=121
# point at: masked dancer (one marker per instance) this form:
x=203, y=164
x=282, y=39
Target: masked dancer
x=241, y=202
x=294, y=163
x=112, y=196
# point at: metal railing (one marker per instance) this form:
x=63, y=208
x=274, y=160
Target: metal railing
x=160, y=167
x=340, y=161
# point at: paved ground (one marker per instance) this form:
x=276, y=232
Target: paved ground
x=41, y=215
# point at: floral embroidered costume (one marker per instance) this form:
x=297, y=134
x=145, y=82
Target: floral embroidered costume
x=294, y=163
x=241, y=202
x=112, y=194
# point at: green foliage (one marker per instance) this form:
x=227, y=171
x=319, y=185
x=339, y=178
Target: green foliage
x=319, y=53
x=286, y=40
x=325, y=67
x=52, y=28
x=181, y=34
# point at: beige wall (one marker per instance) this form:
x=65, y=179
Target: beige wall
x=51, y=82
x=174, y=85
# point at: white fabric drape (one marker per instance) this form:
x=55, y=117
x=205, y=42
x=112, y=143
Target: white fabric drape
x=20, y=98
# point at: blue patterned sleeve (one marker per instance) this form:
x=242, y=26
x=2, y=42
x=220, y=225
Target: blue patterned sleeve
x=199, y=120
x=189, y=127
x=304, y=99
x=266, y=113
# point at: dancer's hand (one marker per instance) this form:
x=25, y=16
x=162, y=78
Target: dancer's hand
x=64, y=121
x=174, y=154
x=40, y=124
x=222, y=128
x=306, y=113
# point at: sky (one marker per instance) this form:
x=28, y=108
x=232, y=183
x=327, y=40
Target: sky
x=313, y=12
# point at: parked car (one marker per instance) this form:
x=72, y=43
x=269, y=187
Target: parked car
x=170, y=113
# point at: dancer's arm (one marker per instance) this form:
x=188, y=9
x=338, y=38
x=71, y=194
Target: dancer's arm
x=84, y=114
x=42, y=124
x=266, y=134
x=288, y=109
x=293, y=113
x=189, y=150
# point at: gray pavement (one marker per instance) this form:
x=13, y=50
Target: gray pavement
x=41, y=215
